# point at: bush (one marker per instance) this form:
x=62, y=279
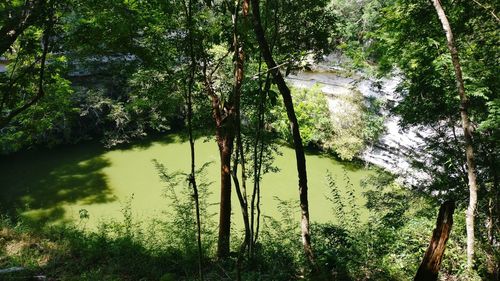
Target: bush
x=344, y=130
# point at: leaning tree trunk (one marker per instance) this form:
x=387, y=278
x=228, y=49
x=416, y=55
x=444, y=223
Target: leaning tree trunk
x=466, y=125
x=297, y=140
x=429, y=268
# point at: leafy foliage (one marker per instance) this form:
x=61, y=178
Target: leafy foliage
x=345, y=131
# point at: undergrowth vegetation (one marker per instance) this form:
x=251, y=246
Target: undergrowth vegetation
x=388, y=247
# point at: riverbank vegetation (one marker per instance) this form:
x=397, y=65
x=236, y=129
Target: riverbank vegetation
x=116, y=74
x=388, y=247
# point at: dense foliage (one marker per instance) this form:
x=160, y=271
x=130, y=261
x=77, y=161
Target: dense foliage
x=411, y=38
x=121, y=70
x=344, y=128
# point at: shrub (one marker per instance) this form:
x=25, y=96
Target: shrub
x=344, y=129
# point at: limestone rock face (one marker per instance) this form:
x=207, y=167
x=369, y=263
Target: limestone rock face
x=396, y=148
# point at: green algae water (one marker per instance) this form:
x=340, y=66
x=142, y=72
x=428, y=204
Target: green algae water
x=59, y=185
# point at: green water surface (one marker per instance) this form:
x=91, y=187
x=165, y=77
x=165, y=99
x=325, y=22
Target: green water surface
x=53, y=185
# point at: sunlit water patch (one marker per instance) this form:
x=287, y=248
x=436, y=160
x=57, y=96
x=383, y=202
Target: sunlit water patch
x=64, y=184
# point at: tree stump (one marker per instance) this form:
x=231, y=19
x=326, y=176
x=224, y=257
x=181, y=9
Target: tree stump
x=429, y=268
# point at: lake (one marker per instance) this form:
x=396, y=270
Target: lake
x=52, y=185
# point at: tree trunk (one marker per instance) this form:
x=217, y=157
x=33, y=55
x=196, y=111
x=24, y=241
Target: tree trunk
x=189, y=101
x=225, y=117
x=258, y=153
x=492, y=220
x=226, y=125
x=225, y=142
x=297, y=140
x=224, y=134
x=241, y=190
x=466, y=125
x=192, y=176
x=429, y=268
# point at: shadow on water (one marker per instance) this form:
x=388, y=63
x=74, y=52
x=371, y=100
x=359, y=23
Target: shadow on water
x=352, y=165
x=37, y=184
x=147, y=142
x=169, y=137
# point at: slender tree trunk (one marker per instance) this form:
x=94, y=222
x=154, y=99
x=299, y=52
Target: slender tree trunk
x=192, y=176
x=241, y=190
x=224, y=135
x=466, y=125
x=242, y=198
x=256, y=180
x=226, y=124
x=258, y=151
x=492, y=218
x=259, y=143
x=429, y=268
x=238, y=75
x=259, y=148
x=297, y=140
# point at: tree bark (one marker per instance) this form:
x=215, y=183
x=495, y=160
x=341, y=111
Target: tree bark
x=467, y=128
x=429, y=268
x=241, y=189
x=226, y=119
x=224, y=135
x=297, y=140
x=264, y=88
x=225, y=142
